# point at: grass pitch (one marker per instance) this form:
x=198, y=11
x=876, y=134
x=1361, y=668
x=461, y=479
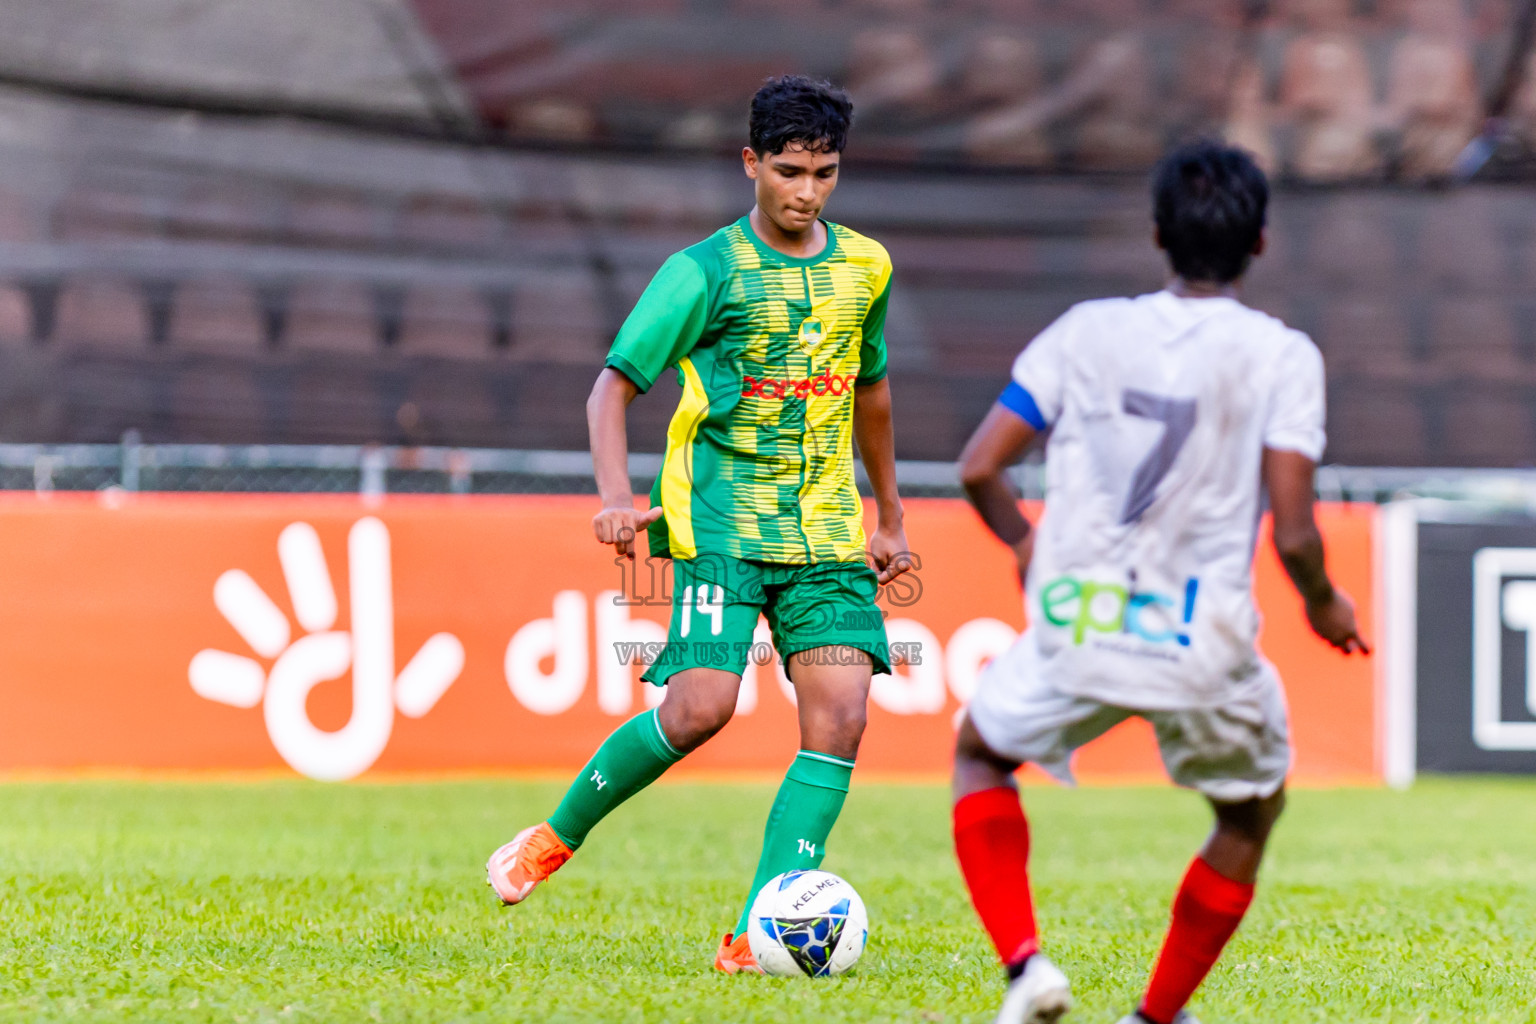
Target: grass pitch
x=288, y=901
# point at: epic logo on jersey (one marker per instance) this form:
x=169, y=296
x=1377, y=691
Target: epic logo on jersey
x=1086, y=606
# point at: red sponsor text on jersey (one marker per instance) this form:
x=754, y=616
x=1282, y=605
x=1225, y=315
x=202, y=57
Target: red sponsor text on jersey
x=824, y=383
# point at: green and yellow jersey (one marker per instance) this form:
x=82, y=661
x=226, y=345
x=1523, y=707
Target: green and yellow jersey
x=768, y=349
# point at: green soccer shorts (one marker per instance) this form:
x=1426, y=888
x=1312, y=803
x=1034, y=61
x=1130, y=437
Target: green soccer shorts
x=716, y=602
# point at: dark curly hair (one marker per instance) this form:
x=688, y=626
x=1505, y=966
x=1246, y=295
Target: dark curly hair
x=1209, y=201
x=798, y=111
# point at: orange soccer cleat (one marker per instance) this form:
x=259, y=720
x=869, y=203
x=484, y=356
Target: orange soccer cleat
x=735, y=957
x=518, y=867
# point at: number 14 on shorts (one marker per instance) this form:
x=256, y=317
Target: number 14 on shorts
x=710, y=601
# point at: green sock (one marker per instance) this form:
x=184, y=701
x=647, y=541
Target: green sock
x=801, y=819
x=631, y=758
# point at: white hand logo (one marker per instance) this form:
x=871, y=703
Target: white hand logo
x=324, y=654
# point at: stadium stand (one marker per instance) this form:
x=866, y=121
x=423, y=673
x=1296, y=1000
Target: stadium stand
x=372, y=266
x=1432, y=101
x=219, y=314
x=330, y=316
x=1365, y=339
x=15, y=317
x=1488, y=427
x=1387, y=424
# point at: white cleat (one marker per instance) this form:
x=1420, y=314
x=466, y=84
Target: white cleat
x=1041, y=995
x=1182, y=1017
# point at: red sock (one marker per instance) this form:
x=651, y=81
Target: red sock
x=1206, y=912
x=992, y=843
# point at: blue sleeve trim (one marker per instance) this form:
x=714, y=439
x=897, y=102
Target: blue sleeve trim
x=1018, y=400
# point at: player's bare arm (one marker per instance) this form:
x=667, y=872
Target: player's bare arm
x=1288, y=477
x=999, y=442
x=619, y=521
x=877, y=447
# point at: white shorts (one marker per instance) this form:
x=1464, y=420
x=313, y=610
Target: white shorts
x=1231, y=752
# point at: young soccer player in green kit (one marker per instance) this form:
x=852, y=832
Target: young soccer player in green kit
x=775, y=325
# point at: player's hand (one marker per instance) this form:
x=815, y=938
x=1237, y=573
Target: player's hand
x=888, y=553
x=1334, y=621
x=1023, y=553
x=618, y=526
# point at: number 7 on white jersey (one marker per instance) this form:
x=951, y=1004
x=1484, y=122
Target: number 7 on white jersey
x=1177, y=415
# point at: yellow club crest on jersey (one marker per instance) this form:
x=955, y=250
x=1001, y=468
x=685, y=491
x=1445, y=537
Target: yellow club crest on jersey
x=812, y=332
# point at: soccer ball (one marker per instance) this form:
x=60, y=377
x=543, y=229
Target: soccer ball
x=807, y=922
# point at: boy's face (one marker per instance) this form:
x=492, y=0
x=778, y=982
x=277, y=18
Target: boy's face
x=792, y=186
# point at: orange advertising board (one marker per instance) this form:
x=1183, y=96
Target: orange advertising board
x=483, y=633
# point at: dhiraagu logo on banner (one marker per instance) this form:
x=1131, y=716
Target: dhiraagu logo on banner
x=324, y=653
x=1086, y=606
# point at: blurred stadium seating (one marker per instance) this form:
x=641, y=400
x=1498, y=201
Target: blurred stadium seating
x=421, y=224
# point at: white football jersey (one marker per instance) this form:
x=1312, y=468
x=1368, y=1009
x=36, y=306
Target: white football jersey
x=1159, y=409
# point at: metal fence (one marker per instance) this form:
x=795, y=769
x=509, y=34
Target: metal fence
x=367, y=470
x=374, y=471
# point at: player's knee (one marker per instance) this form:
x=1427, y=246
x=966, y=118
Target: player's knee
x=1267, y=812
x=835, y=727
x=969, y=746
x=849, y=719
x=1251, y=820
x=977, y=766
x=711, y=718
x=692, y=722
x=1250, y=834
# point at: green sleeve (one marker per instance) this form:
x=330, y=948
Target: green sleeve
x=665, y=324
x=872, y=349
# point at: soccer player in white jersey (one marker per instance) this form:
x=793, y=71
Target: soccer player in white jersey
x=1170, y=417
